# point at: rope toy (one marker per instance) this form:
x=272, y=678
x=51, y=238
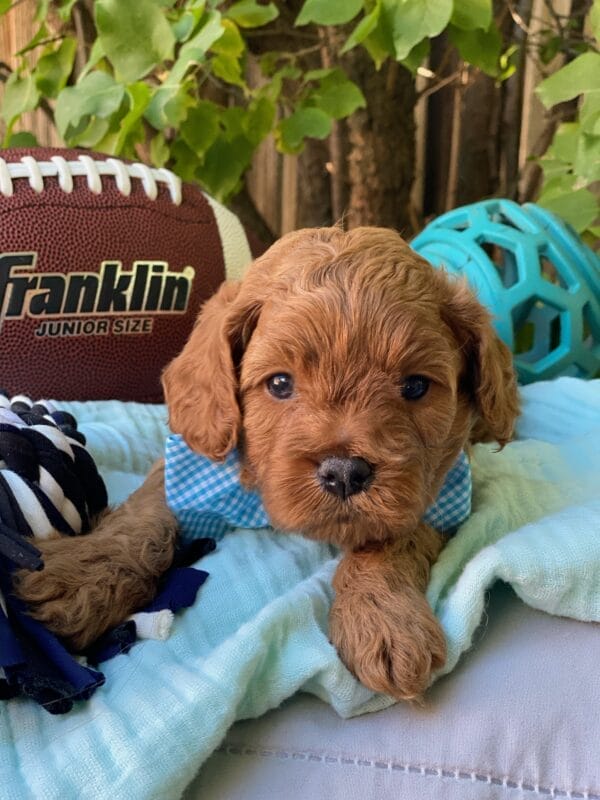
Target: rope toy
x=48, y=480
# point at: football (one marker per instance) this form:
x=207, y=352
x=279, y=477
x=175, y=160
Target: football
x=104, y=265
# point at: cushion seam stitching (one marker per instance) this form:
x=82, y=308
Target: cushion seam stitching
x=391, y=765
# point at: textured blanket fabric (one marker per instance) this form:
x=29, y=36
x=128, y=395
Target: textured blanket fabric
x=258, y=630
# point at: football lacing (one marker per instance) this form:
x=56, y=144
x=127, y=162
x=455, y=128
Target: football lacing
x=58, y=167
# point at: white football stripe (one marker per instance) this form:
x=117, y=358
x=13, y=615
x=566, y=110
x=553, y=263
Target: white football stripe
x=236, y=250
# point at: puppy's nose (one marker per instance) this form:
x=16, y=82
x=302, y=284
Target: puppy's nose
x=344, y=476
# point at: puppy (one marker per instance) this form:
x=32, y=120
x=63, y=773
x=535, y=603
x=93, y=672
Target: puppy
x=350, y=374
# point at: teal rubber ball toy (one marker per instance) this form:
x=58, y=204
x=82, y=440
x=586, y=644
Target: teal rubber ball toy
x=538, y=279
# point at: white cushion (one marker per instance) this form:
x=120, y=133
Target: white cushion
x=518, y=718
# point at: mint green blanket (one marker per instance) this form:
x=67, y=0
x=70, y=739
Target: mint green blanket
x=258, y=631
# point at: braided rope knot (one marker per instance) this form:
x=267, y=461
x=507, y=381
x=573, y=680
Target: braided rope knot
x=48, y=480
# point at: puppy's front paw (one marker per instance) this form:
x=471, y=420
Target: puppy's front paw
x=392, y=643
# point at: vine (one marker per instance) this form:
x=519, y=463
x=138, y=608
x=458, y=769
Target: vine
x=168, y=80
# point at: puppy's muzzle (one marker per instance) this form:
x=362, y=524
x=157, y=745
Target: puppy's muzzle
x=344, y=477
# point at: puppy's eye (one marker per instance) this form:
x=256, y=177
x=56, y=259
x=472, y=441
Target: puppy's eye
x=281, y=385
x=414, y=387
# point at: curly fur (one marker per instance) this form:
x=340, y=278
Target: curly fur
x=349, y=315
x=92, y=583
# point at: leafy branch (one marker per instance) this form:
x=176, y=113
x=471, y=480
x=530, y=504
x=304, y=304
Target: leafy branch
x=168, y=80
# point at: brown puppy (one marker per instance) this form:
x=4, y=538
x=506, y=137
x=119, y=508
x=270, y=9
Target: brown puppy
x=351, y=374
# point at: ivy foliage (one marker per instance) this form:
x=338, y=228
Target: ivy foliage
x=167, y=81
x=572, y=163
x=169, y=77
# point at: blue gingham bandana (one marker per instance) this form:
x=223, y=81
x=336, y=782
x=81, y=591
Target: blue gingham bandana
x=453, y=503
x=208, y=499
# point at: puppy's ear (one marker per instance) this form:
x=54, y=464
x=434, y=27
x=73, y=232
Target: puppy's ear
x=200, y=384
x=489, y=376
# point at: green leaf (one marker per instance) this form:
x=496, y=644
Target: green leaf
x=169, y=106
x=229, y=47
x=565, y=142
x=201, y=127
x=4, y=6
x=594, y=19
x=228, y=69
x=411, y=21
x=184, y=27
x=135, y=36
x=22, y=139
x=159, y=150
x=589, y=114
x=194, y=51
x=232, y=120
x=328, y=12
x=249, y=14
x=88, y=135
x=96, y=95
x=65, y=8
x=480, y=48
x=580, y=208
x=558, y=185
x=96, y=55
x=472, y=14
x=417, y=56
x=587, y=160
x=230, y=43
x=379, y=44
x=580, y=75
x=41, y=10
x=259, y=120
x=223, y=166
x=365, y=27
x=20, y=95
x=53, y=68
x=303, y=123
x=138, y=95
x=509, y=61
x=554, y=168
x=549, y=48
x=273, y=88
x=337, y=95
x=319, y=74
x=183, y=161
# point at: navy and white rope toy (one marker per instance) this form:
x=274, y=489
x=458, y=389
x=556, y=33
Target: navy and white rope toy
x=48, y=480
